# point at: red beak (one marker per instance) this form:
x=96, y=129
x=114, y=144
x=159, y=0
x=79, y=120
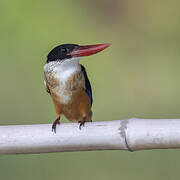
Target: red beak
x=88, y=50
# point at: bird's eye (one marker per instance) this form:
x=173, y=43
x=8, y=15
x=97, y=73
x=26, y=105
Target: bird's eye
x=64, y=50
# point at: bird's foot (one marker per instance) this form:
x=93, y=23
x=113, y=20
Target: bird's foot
x=57, y=121
x=81, y=123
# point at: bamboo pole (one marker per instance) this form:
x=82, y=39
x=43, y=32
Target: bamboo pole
x=130, y=134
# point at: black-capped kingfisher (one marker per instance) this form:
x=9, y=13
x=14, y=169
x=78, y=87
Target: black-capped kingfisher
x=67, y=82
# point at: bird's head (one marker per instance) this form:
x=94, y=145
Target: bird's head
x=70, y=52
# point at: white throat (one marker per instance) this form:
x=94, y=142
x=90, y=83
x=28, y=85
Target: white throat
x=68, y=67
x=62, y=71
x=63, y=66
x=68, y=64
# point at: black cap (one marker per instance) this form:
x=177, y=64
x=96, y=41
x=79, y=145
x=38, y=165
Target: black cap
x=61, y=52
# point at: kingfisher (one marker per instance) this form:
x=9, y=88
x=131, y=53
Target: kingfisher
x=67, y=82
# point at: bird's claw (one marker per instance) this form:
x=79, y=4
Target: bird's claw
x=81, y=124
x=54, y=125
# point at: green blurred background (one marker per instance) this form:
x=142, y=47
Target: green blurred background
x=138, y=76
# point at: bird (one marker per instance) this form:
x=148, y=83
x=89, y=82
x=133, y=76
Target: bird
x=67, y=82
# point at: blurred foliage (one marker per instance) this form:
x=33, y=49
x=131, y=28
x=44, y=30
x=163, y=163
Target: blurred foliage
x=138, y=76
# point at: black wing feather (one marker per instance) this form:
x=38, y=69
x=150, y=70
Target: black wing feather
x=88, y=88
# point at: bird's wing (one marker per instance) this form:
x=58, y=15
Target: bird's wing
x=46, y=86
x=88, y=88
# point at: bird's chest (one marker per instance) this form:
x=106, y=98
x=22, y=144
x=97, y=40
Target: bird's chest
x=63, y=85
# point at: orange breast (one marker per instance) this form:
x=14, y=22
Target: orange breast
x=78, y=107
x=79, y=104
